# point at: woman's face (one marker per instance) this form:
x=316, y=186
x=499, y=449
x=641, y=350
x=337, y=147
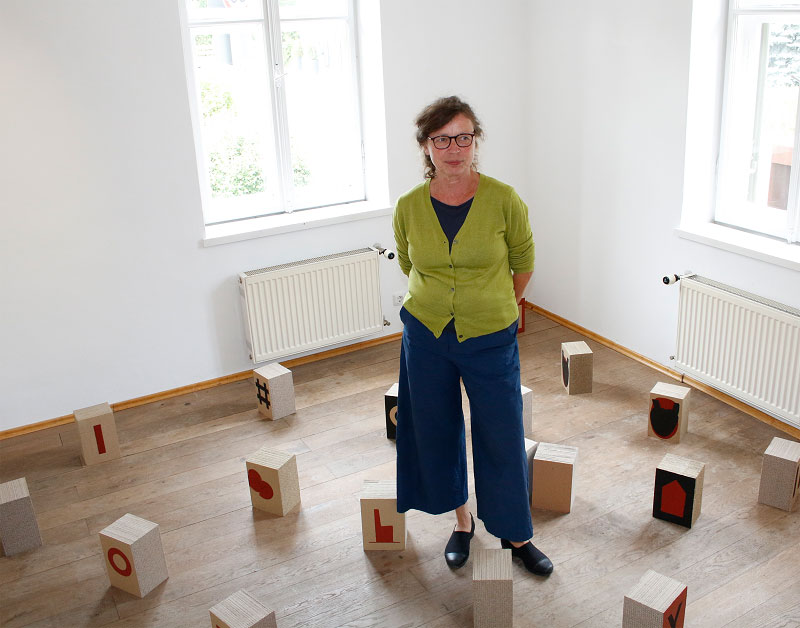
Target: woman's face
x=454, y=160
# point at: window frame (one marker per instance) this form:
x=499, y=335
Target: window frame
x=734, y=214
x=252, y=224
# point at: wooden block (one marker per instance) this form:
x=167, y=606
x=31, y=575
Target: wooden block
x=242, y=610
x=530, y=451
x=134, y=556
x=492, y=588
x=553, y=477
x=274, y=391
x=780, y=475
x=382, y=527
x=655, y=602
x=576, y=367
x=678, y=491
x=97, y=430
x=527, y=409
x=390, y=404
x=19, y=530
x=274, y=483
x=523, y=305
x=669, y=412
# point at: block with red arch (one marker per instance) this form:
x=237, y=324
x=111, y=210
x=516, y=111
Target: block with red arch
x=657, y=601
x=678, y=493
x=133, y=555
x=241, y=610
x=97, y=431
x=273, y=481
x=668, y=416
x=382, y=527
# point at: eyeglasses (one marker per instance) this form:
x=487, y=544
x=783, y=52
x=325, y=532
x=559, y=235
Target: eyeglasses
x=443, y=141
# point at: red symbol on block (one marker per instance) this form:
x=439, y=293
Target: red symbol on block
x=98, y=436
x=383, y=534
x=675, y=614
x=673, y=499
x=116, y=552
x=258, y=485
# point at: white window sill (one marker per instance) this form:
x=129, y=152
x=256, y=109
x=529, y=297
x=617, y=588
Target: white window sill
x=752, y=245
x=295, y=221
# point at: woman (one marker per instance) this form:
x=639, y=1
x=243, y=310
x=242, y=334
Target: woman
x=465, y=242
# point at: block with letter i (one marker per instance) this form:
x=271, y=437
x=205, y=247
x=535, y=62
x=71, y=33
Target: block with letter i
x=576, y=367
x=678, y=492
x=553, y=477
x=382, y=527
x=492, y=588
x=133, y=554
x=273, y=480
x=780, y=475
x=390, y=403
x=241, y=610
x=655, y=602
x=668, y=418
x=97, y=430
x=19, y=530
x=274, y=391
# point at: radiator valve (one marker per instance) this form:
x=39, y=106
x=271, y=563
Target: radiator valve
x=389, y=253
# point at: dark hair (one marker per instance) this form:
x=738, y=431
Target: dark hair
x=435, y=116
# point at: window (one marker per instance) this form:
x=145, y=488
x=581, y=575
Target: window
x=277, y=116
x=759, y=168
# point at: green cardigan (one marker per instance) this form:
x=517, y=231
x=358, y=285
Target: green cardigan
x=472, y=283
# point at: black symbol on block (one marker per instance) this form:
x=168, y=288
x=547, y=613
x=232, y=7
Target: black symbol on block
x=673, y=621
x=565, y=369
x=263, y=393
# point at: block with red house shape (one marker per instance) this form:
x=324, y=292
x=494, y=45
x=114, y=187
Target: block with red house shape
x=273, y=480
x=241, y=610
x=678, y=492
x=274, y=391
x=656, y=601
x=668, y=417
x=97, y=431
x=133, y=555
x=382, y=527
x=780, y=475
x=390, y=405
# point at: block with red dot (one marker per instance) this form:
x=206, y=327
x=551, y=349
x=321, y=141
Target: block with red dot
x=273, y=480
x=133, y=555
x=97, y=431
x=382, y=527
x=678, y=493
x=668, y=416
x=656, y=601
x=241, y=610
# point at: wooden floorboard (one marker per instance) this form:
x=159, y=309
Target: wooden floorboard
x=183, y=467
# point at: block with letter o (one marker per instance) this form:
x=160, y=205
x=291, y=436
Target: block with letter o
x=134, y=555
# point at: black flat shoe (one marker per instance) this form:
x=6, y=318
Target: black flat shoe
x=457, y=551
x=533, y=559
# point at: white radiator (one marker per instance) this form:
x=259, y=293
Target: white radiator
x=313, y=303
x=746, y=346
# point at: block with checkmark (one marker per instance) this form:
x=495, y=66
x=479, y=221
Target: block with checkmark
x=656, y=601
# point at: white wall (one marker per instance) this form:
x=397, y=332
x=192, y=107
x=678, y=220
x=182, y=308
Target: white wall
x=107, y=291
x=607, y=131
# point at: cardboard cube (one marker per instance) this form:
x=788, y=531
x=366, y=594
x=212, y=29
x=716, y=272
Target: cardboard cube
x=19, y=530
x=97, y=431
x=382, y=527
x=133, y=554
x=241, y=610
x=390, y=404
x=576, y=367
x=780, y=475
x=553, y=477
x=678, y=492
x=530, y=451
x=655, y=602
x=527, y=409
x=274, y=483
x=274, y=391
x=668, y=418
x=492, y=588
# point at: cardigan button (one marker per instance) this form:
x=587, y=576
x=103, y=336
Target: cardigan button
x=451, y=265
x=452, y=289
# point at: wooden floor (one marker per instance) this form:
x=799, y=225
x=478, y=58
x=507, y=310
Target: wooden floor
x=183, y=467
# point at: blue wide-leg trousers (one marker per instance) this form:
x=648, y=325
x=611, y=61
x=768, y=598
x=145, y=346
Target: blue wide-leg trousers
x=431, y=442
